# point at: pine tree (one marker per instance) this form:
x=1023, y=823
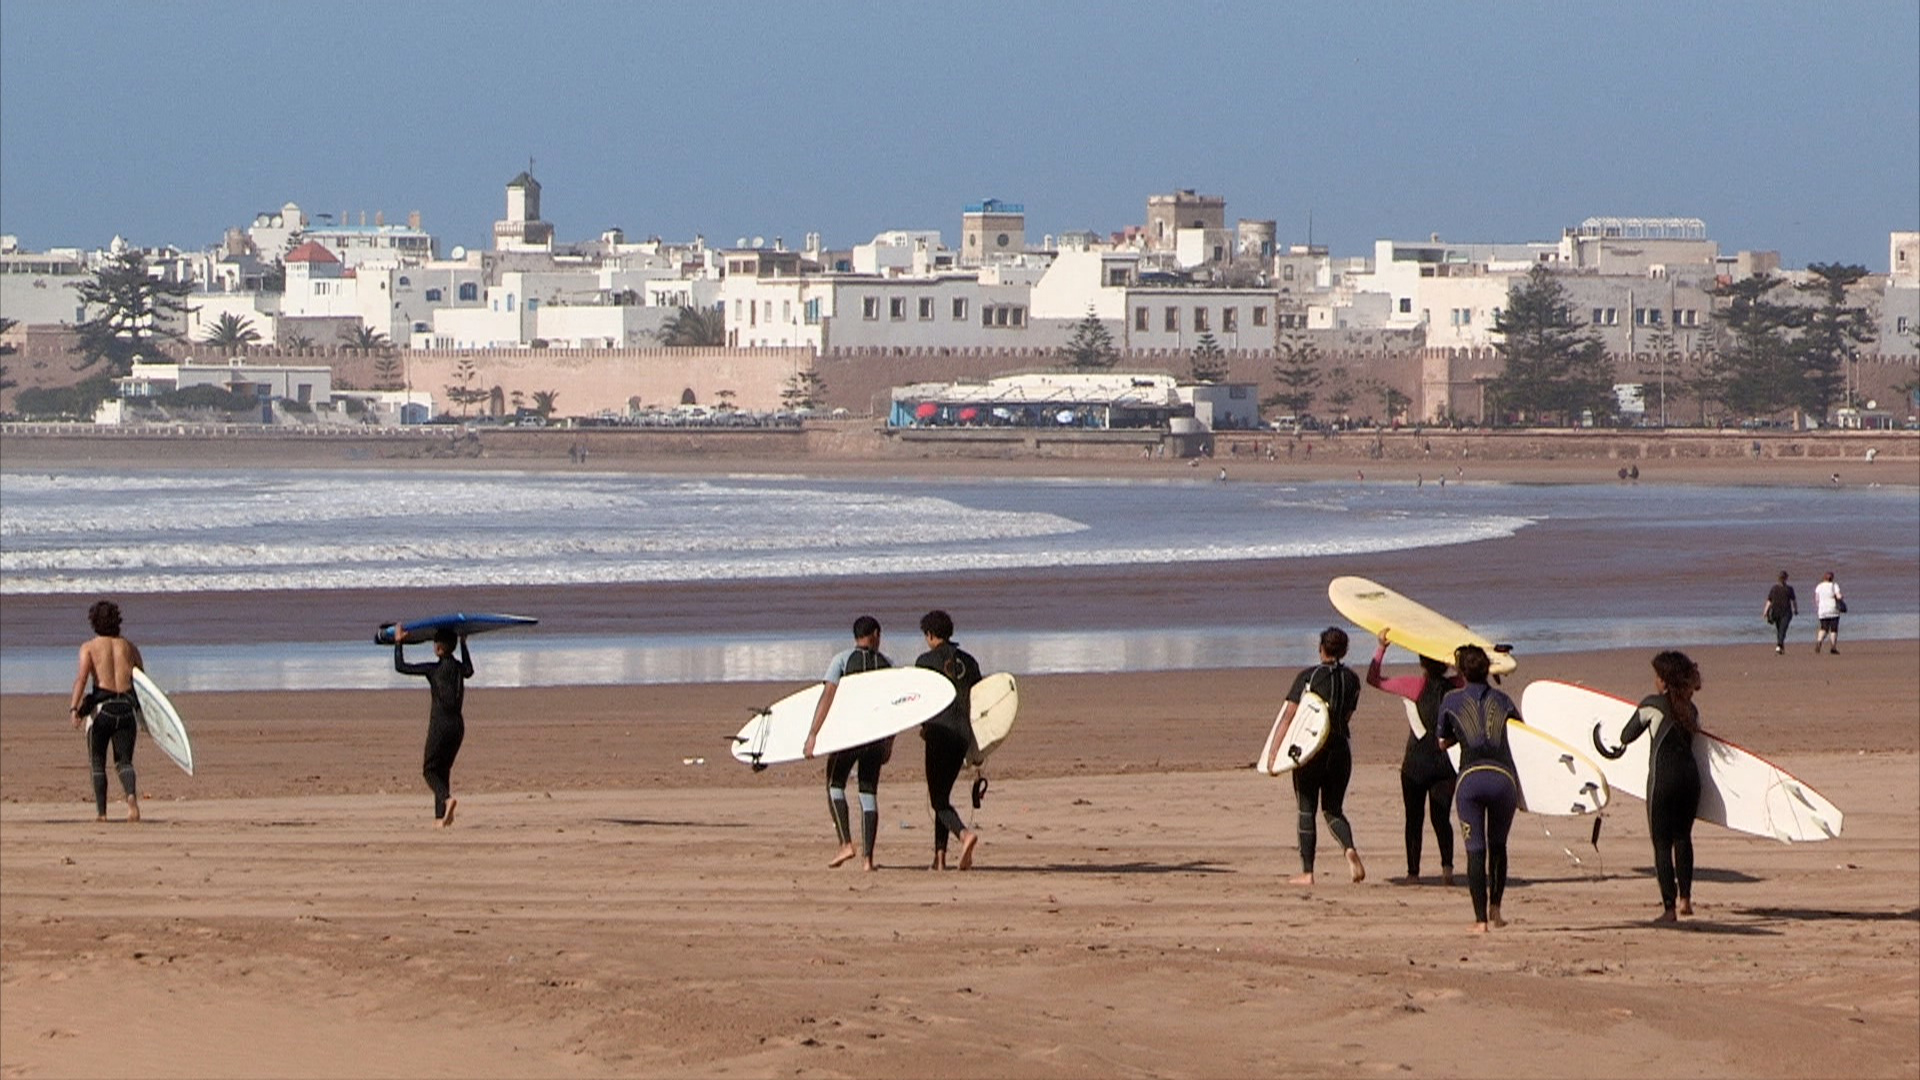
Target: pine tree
x=1297, y=371
x=1834, y=332
x=1556, y=366
x=1209, y=360
x=133, y=308
x=1091, y=348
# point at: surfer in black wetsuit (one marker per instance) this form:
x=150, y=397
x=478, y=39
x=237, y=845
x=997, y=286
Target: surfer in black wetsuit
x=1320, y=785
x=868, y=758
x=1488, y=792
x=104, y=701
x=947, y=734
x=1426, y=775
x=1673, y=777
x=446, y=727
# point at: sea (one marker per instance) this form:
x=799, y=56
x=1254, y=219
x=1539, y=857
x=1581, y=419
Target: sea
x=93, y=532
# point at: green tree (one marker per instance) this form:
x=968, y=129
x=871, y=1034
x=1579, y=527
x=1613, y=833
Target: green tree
x=723, y=400
x=462, y=391
x=299, y=341
x=1209, y=360
x=365, y=338
x=544, y=402
x=1091, y=347
x=1341, y=397
x=133, y=309
x=1297, y=373
x=1834, y=331
x=805, y=390
x=1754, y=371
x=388, y=372
x=231, y=333
x=694, y=327
x=1392, y=401
x=1556, y=366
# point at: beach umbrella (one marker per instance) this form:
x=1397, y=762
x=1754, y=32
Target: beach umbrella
x=969, y=414
x=927, y=410
x=1064, y=416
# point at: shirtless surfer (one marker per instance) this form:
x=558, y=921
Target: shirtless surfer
x=103, y=700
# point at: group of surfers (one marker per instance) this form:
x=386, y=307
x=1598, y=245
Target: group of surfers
x=1456, y=704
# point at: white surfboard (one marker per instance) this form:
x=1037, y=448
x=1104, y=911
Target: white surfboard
x=1304, y=738
x=162, y=722
x=1555, y=779
x=1739, y=789
x=993, y=703
x=867, y=706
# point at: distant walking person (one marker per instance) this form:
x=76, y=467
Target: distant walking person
x=1673, y=776
x=1320, y=785
x=103, y=700
x=1781, y=606
x=446, y=725
x=947, y=735
x=1488, y=794
x=1829, y=605
x=868, y=758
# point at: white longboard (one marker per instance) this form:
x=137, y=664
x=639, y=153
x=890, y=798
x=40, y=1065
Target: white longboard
x=1738, y=789
x=1304, y=738
x=162, y=722
x=992, y=704
x=868, y=706
x=1555, y=779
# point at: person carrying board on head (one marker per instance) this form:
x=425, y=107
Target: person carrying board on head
x=864, y=656
x=1487, y=795
x=1320, y=785
x=104, y=702
x=1426, y=775
x=946, y=735
x=446, y=725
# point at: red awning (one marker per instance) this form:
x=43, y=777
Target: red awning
x=926, y=410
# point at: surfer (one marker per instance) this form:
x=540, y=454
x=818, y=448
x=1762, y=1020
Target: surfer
x=1320, y=785
x=1781, y=606
x=946, y=735
x=1488, y=794
x=104, y=701
x=1673, y=777
x=864, y=656
x=1426, y=775
x=446, y=727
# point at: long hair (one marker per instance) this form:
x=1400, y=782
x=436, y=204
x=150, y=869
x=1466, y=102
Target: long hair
x=1681, y=677
x=104, y=617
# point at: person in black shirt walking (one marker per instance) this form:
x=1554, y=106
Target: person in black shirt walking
x=946, y=735
x=1320, y=785
x=446, y=726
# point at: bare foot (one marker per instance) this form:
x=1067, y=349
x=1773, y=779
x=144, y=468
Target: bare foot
x=846, y=853
x=1686, y=906
x=966, y=850
x=102, y=817
x=1478, y=928
x=939, y=861
x=133, y=809
x=447, y=821
x=1354, y=864
x=1446, y=875
x=868, y=866
x=1666, y=916
x=1301, y=879
x=1493, y=916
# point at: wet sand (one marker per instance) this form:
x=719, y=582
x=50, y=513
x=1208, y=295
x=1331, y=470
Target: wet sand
x=603, y=908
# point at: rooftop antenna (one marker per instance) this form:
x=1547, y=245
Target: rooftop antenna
x=1309, y=228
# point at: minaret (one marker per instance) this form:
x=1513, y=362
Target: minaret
x=522, y=227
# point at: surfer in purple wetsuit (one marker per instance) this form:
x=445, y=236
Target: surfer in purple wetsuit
x=1320, y=785
x=1488, y=794
x=864, y=656
x=947, y=735
x=1673, y=776
x=446, y=726
x=104, y=701
x=1426, y=775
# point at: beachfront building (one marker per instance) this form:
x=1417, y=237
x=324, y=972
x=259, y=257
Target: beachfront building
x=303, y=383
x=1095, y=401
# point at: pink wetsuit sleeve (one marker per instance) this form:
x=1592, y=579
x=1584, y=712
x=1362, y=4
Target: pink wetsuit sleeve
x=1406, y=686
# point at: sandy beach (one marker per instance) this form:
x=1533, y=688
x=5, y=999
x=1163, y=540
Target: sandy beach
x=603, y=908
x=608, y=904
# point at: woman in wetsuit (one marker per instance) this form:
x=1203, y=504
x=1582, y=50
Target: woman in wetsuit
x=446, y=727
x=1673, y=777
x=1488, y=793
x=1426, y=775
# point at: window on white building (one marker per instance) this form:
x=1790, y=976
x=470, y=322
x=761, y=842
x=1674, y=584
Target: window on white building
x=870, y=308
x=1141, y=319
x=469, y=291
x=1229, y=320
x=1406, y=305
x=811, y=312
x=1259, y=316
x=959, y=309
x=926, y=308
x=1901, y=324
x=1172, y=324
x=896, y=308
x=433, y=296
x=1286, y=272
x=786, y=311
x=1200, y=320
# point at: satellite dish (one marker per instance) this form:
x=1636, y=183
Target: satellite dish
x=459, y=252
x=741, y=242
x=759, y=241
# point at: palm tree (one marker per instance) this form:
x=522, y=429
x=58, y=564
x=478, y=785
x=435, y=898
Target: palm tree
x=299, y=341
x=544, y=401
x=365, y=338
x=231, y=332
x=694, y=327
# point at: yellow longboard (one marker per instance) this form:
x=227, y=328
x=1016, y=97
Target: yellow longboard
x=1374, y=607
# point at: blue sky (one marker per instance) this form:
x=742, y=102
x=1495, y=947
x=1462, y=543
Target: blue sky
x=1786, y=126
